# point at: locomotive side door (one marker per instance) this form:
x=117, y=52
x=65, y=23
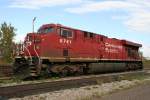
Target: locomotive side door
x=67, y=36
x=101, y=47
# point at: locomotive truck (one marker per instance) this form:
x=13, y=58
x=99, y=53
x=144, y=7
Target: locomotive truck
x=61, y=50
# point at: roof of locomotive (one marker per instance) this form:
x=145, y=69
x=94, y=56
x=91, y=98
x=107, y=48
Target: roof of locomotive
x=60, y=25
x=125, y=42
x=129, y=43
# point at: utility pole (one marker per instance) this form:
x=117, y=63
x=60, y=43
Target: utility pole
x=33, y=23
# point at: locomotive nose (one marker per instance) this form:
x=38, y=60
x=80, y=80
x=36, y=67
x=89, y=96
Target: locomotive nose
x=33, y=38
x=32, y=44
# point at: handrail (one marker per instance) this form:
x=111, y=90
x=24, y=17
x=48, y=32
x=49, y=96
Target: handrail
x=37, y=55
x=28, y=53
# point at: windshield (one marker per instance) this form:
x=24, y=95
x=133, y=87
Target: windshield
x=46, y=30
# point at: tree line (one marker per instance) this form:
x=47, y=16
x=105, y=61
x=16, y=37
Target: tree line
x=7, y=34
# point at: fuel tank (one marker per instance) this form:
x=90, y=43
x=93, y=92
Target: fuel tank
x=106, y=67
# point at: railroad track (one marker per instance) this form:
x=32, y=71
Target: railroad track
x=63, y=83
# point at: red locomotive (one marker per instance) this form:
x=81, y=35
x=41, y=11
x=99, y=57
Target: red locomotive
x=57, y=49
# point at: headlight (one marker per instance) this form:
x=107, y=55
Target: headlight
x=37, y=47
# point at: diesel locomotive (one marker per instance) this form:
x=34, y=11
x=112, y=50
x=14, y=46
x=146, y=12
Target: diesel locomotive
x=61, y=50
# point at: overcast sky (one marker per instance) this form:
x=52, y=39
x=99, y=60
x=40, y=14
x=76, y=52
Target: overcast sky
x=123, y=19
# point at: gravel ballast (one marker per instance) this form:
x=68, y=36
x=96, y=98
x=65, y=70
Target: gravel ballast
x=86, y=92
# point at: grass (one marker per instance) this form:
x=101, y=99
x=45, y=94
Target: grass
x=146, y=64
x=12, y=80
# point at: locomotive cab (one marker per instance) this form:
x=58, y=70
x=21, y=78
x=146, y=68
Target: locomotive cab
x=49, y=36
x=34, y=41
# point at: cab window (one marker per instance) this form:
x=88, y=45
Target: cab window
x=88, y=34
x=46, y=30
x=66, y=33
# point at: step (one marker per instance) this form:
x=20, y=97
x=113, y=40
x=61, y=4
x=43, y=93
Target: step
x=33, y=71
x=33, y=74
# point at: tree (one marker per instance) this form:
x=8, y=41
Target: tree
x=7, y=33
